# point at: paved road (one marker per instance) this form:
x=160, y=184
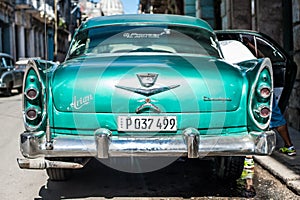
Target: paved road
x=96, y=181
x=15, y=183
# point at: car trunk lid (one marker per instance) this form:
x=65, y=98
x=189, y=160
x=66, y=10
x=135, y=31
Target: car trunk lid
x=161, y=83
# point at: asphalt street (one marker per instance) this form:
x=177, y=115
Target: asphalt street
x=13, y=180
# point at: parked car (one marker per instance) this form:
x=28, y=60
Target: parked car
x=21, y=64
x=143, y=87
x=261, y=45
x=10, y=77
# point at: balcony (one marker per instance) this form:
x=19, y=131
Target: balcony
x=23, y=4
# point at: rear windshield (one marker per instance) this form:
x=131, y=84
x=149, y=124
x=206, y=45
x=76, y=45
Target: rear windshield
x=6, y=62
x=157, y=39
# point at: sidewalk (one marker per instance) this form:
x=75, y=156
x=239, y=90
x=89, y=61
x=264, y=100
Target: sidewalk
x=286, y=168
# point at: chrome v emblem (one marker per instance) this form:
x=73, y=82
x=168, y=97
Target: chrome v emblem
x=147, y=92
x=148, y=79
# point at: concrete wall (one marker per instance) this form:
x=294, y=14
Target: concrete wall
x=236, y=14
x=294, y=104
x=190, y=7
x=167, y=6
x=270, y=19
x=205, y=9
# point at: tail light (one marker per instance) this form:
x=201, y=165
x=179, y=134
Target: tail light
x=31, y=93
x=264, y=112
x=32, y=113
x=265, y=92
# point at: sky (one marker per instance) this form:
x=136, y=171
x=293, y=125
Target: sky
x=130, y=6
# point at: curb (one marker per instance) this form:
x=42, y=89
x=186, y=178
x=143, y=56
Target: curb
x=280, y=171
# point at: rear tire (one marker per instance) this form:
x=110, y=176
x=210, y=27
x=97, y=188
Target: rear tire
x=20, y=90
x=228, y=168
x=8, y=90
x=58, y=174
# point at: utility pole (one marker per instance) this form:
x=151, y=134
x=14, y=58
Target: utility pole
x=55, y=30
x=45, y=35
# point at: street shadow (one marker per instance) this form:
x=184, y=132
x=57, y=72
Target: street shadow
x=190, y=178
x=13, y=93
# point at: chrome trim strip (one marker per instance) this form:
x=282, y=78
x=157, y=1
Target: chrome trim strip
x=147, y=105
x=216, y=99
x=147, y=92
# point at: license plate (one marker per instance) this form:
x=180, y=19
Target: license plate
x=147, y=123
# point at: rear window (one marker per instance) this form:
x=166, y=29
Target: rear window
x=6, y=62
x=157, y=39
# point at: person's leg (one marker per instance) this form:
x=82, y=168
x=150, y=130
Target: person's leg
x=279, y=124
x=247, y=175
x=288, y=148
x=283, y=131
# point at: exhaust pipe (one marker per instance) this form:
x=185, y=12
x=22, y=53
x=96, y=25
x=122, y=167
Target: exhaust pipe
x=42, y=163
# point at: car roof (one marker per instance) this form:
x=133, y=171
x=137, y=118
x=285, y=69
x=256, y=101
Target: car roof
x=140, y=19
x=238, y=31
x=6, y=55
x=22, y=62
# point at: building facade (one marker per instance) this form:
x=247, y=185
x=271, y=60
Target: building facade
x=112, y=7
x=205, y=9
x=32, y=39
x=90, y=9
x=35, y=28
x=162, y=7
x=7, y=27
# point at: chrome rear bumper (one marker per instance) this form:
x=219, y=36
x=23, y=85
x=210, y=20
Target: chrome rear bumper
x=190, y=144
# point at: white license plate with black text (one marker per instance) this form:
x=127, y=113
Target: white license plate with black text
x=147, y=123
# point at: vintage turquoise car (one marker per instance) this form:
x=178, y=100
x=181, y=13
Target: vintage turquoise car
x=142, y=87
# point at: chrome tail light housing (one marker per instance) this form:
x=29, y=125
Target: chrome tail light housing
x=261, y=95
x=34, y=98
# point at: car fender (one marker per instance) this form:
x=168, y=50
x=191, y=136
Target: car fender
x=259, y=74
x=7, y=77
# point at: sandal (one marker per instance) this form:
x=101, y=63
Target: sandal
x=249, y=193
